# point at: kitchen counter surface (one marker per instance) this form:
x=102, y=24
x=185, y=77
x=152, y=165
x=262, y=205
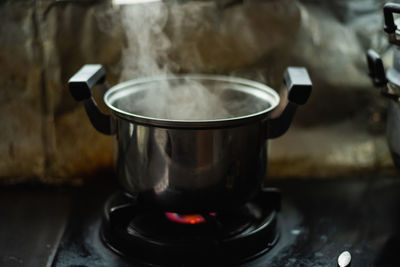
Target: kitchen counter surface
x=48, y=226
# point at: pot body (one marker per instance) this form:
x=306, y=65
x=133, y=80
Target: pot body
x=191, y=170
x=192, y=165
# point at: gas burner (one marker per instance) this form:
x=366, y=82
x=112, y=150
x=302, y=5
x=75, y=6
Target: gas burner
x=188, y=218
x=153, y=237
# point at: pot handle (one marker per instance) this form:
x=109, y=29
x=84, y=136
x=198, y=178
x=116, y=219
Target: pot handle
x=298, y=89
x=81, y=88
x=376, y=70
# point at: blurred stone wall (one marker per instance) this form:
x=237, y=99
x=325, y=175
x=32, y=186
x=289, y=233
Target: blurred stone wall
x=46, y=136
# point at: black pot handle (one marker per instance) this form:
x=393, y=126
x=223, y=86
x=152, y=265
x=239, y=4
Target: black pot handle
x=299, y=87
x=376, y=69
x=81, y=86
x=390, y=27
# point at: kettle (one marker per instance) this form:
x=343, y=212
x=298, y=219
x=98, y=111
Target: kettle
x=388, y=82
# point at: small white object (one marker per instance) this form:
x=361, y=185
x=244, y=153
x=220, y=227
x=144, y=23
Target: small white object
x=344, y=259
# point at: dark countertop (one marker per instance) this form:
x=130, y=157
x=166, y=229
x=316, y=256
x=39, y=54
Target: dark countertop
x=58, y=226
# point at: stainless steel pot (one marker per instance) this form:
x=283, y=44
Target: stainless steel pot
x=192, y=165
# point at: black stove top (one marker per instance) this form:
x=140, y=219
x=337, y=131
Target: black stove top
x=154, y=237
x=318, y=220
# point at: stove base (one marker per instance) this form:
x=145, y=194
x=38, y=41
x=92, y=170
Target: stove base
x=148, y=237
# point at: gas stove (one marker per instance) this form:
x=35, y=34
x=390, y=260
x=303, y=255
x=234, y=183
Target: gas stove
x=147, y=236
x=317, y=221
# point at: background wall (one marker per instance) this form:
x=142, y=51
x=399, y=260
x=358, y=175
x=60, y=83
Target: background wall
x=46, y=136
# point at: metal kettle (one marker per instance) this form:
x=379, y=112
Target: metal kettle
x=388, y=82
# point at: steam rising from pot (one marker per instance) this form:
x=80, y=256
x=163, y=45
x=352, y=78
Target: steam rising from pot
x=147, y=55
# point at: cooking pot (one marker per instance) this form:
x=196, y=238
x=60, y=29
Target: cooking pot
x=388, y=82
x=192, y=163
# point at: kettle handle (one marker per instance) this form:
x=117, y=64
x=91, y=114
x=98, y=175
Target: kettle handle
x=390, y=26
x=378, y=75
x=299, y=86
x=81, y=88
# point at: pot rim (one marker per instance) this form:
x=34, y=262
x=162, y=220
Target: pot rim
x=125, y=88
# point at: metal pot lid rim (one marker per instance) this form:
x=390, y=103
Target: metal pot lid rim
x=124, y=87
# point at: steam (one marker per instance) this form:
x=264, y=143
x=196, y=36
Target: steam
x=147, y=44
x=146, y=55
